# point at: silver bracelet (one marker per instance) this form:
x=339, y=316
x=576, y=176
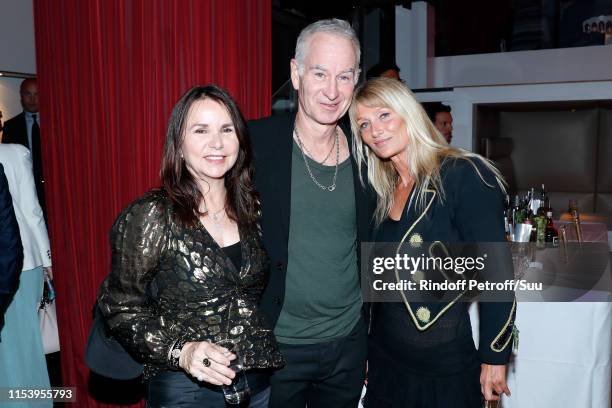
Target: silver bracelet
x=175, y=353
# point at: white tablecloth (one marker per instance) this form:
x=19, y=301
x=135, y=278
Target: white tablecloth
x=564, y=357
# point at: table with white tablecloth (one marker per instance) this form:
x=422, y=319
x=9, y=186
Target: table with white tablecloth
x=564, y=358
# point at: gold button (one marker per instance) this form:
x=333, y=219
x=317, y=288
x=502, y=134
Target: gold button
x=418, y=276
x=416, y=240
x=423, y=314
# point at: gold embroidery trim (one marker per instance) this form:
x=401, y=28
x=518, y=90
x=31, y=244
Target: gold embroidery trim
x=432, y=255
x=447, y=254
x=503, y=330
x=403, y=295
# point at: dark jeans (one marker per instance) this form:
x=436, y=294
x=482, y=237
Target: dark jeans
x=322, y=375
x=176, y=389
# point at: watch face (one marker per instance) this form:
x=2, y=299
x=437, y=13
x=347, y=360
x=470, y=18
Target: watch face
x=176, y=353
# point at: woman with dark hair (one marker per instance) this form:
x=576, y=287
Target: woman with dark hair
x=188, y=265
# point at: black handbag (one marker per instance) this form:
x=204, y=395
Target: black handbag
x=105, y=356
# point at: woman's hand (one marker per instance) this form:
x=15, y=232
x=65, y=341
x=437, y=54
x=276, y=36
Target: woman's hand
x=216, y=372
x=48, y=271
x=493, y=381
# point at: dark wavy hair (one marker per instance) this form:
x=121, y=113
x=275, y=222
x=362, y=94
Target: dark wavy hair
x=242, y=204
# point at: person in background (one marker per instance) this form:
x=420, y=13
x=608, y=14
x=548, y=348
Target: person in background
x=24, y=129
x=441, y=117
x=11, y=250
x=21, y=350
x=188, y=265
x=384, y=69
x=422, y=354
x=315, y=214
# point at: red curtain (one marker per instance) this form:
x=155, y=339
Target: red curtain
x=109, y=73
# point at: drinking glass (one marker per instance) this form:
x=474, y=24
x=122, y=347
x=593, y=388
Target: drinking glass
x=238, y=391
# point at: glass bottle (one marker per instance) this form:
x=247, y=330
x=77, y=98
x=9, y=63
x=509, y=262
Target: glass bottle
x=552, y=235
x=540, y=224
x=518, y=214
x=543, y=209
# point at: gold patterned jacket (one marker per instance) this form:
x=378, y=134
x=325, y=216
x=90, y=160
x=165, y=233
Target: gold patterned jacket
x=169, y=283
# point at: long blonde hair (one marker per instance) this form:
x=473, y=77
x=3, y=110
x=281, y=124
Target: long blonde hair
x=426, y=151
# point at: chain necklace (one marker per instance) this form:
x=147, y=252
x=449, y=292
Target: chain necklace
x=216, y=218
x=215, y=215
x=328, y=154
x=332, y=186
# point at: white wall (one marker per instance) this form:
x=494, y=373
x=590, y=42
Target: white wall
x=414, y=36
x=462, y=100
x=9, y=97
x=17, y=51
x=17, y=36
x=523, y=67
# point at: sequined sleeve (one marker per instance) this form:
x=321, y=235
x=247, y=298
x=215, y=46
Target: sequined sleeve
x=138, y=238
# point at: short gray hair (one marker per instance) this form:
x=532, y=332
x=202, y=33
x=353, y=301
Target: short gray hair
x=333, y=26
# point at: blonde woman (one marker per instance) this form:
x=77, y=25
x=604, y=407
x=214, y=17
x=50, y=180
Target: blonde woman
x=422, y=354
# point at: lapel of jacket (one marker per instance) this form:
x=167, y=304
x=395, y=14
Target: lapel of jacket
x=285, y=148
x=414, y=218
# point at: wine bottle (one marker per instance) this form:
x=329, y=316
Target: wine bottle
x=543, y=209
x=552, y=235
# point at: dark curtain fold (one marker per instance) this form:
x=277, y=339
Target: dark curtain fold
x=109, y=72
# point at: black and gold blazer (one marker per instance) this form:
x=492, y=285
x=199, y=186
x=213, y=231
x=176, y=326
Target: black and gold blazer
x=470, y=212
x=169, y=283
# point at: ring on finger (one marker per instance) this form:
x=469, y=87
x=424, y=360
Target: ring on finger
x=206, y=362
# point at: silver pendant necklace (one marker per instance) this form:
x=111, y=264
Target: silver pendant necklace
x=216, y=218
x=332, y=186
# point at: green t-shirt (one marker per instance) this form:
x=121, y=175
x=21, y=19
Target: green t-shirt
x=322, y=294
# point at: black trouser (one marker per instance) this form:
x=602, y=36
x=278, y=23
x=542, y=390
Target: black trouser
x=322, y=375
x=173, y=389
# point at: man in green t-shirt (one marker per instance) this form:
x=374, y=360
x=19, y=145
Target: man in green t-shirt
x=314, y=215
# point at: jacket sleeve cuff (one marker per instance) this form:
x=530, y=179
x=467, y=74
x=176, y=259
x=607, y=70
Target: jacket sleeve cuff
x=46, y=258
x=497, y=350
x=494, y=358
